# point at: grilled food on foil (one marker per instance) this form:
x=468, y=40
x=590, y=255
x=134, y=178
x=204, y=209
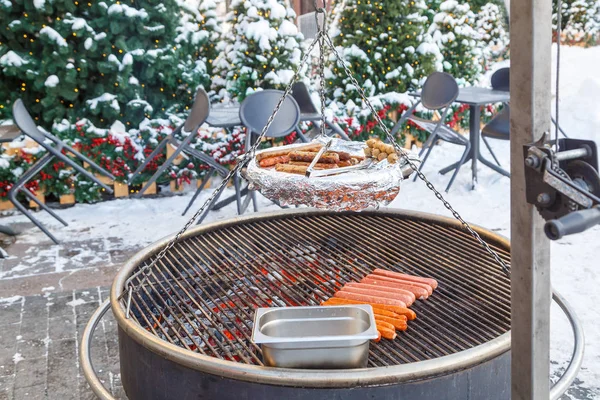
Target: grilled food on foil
x=344, y=177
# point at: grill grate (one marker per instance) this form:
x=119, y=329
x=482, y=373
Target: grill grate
x=202, y=295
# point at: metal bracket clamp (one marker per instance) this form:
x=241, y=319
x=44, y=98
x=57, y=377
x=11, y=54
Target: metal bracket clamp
x=564, y=186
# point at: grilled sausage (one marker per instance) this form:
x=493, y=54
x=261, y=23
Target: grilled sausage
x=276, y=153
x=328, y=157
x=398, y=323
x=369, y=298
x=269, y=154
x=410, y=314
x=407, y=299
x=317, y=165
x=269, y=162
x=419, y=292
x=297, y=169
x=386, y=329
x=412, y=283
x=378, y=337
x=343, y=155
x=430, y=281
x=366, y=285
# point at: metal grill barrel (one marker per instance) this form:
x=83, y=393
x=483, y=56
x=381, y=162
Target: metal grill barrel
x=202, y=295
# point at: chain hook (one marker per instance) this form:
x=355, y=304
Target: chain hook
x=321, y=25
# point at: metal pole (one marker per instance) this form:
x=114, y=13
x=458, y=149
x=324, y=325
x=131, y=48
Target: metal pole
x=530, y=34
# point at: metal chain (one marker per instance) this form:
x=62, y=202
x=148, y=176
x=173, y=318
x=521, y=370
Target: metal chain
x=405, y=154
x=321, y=29
x=245, y=159
x=558, y=38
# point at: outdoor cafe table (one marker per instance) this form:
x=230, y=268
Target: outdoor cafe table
x=475, y=97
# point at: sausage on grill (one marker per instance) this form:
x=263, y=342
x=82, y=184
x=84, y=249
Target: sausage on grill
x=403, y=281
x=328, y=157
x=430, y=281
x=398, y=323
x=369, y=299
x=410, y=296
x=406, y=299
x=386, y=329
x=317, y=165
x=410, y=314
x=419, y=292
x=269, y=162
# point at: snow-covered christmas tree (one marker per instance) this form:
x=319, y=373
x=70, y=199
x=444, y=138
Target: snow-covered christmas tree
x=580, y=22
x=210, y=24
x=261, y=51
x=104, y=61
x=458, y=41
x=386, y=46
x=489, y=23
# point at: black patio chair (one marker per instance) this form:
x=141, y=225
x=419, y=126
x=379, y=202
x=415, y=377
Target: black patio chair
x=439, y=92
x=53, y=150
x=198, y=114
x=499, y=126
x=309, y=113
x=254, y=114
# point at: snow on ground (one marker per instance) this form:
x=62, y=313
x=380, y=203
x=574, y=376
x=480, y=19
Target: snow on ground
x=136, y=223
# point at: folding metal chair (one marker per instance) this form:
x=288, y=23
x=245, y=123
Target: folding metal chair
x=198, y=114
x=309, y=113
x=439, y=92
x=254, y=114
x=499, y=126
x=53, y=150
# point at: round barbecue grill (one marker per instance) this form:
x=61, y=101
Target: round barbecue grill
x=187, y=333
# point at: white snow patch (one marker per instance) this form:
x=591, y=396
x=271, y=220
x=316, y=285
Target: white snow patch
x=12, y=59
x=48, y=289
x=105, y=98
x=52, y=81
x=287, y=28
x=76, y=302
x=39, y=3
x=17, y=357
x=53, y=35
x=10, y=300
x=261, y=32
x=127, y=11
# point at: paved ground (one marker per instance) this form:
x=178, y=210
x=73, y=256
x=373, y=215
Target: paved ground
x=75, y=265
x=39, y=339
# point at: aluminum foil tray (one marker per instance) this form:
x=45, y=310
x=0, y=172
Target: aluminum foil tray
x=360, y=189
